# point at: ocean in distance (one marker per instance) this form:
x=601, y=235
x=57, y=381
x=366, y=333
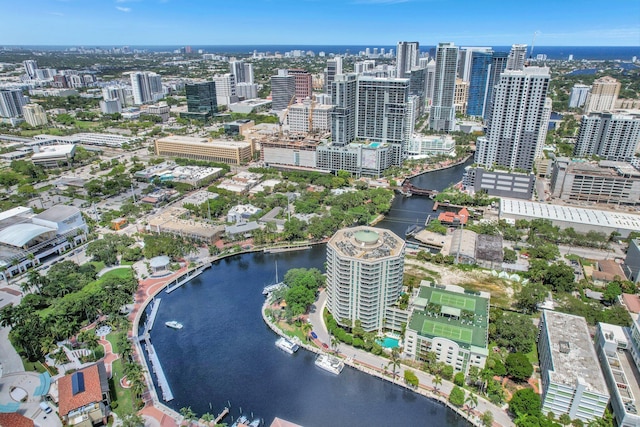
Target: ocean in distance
x=624, y=53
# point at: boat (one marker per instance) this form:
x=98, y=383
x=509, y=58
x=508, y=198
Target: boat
x=174, y=324
x=241, y=421
x=286, y=345
x=329, y=363
x=256, y=422
x=277, y=285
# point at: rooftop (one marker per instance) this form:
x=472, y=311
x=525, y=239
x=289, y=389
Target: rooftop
x=366, y=243
x=90, y=391
x=572, y=353
x=593, y=217
x=58, y=213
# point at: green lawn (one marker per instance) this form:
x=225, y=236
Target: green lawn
x=99, y=265
x=533, y=356
x=113, y=339
x=121, y=273
x=119, y=394
x=33, y=366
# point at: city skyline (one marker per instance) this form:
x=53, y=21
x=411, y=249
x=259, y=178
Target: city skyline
x=169, y=22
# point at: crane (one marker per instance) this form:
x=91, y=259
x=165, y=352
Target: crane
x=311, y=116
x=285, y=114
x=533, y=42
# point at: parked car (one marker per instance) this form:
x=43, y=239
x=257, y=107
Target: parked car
x=313, y=335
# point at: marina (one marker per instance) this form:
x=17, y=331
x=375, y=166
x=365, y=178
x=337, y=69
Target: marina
x=192, y=274
x=167, y=396
x=286, y=345
x=329, y=363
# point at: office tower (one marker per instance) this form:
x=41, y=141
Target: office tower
x=603, y=95
x=423, y=62
x=237, y=69
x=117, y=92
x=283, y=90
x=381, y=111
x=480, y=65
x=517, y=57
x=407, y=57
x=334, y=67
x=34, y=114
x=146, y=87
x=11, y=102
x=247, y=90
x=516, y=121
x=461, y=96
x=30, y=67
x=465, y=59
x=498, y=65
x=248, y=73
x=430, y=79
x=544, y=127
x=201, y=98
x=110, y=106
x=226, y=92
x=607, y=135
x=343, y=118
x=418, y=87
x=302, y=81
x=442, y=115
x=578, y=95
x=365, y=267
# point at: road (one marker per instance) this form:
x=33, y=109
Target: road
x=379, y=363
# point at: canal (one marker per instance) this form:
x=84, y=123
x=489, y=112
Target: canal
x=226, y=354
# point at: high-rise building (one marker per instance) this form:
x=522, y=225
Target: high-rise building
x=201, y=99
x=309, y=116
x=479, y=67
x=578, y=95
x=237, y=69
x=110, y=106
x=365, y=268
x=34, y=114
x=343, y=118
x=247, y=90
x=603, y=95
x=407, y=58
x=302, y=79
x=609, y=136
x=461, y=96
x=418, y=87
x=146, y=87
x=442, y=114
x=517, y=57
x=430, y=79
x=283, y=90
x=122, y=93
x=11, y=102
x=334, y=67
x=513, y=131
x=226, y=92
x=30, y=67
x=498, y=65
x=465, y=60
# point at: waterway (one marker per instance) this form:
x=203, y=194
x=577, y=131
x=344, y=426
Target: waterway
x=226, y=354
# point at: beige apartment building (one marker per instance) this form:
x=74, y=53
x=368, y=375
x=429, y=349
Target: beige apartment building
x=230, y=152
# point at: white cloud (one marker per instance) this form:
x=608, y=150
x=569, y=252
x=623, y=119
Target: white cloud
x=123, y=9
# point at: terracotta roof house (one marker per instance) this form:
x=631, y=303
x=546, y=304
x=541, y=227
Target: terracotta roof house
x=451, y=218
x=84, y=396
x=608, y=270
x=13, y=419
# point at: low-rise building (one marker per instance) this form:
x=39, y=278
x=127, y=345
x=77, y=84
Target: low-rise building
x=54, y=156
x=422, y=146
x=297, y=154
x=230, y=152
x=238, y=127
x=572, y=382
x=450, y=322
x=175, y=220
x=161, y=110
x=250, y=106
x=241, y=213
x=501, y=183
x=84, y=397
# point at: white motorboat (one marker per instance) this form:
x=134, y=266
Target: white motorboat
x=286, y=345
x=174, y=324
x=329, y=363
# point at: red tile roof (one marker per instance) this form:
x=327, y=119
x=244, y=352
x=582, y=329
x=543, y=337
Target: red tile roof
x=449, y=217
x=13, y=419
x=92, y=390
x=632, y=302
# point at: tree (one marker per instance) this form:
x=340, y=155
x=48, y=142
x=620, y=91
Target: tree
x=487, y=419
x=411, y=378
x=518, y=366
x=456, y=397
x=394, y=363
x=458, y=379
x=437, y=381
x=525, y=401
x=564, y=419
x=306, y=329
x=132, y=420
x=529, y=296
x=187, y=413
x=513, y=331
x=472, y=401
x=611, y=293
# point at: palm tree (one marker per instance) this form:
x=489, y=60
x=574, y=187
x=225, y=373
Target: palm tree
x=132, y=420
x=335, y=342
x=306, y=329
x=394, y=363
x=207, y=417
x=437, y=381
x=187, y=413
x=472, y=401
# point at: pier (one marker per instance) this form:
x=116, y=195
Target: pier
x=285, y=249
x=192, y=274
x=223, y=414
x=167, y=395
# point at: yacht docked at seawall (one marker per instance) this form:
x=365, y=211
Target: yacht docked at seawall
x=286, y=345
x=329, y=363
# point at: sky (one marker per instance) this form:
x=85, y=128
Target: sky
x=319, y=22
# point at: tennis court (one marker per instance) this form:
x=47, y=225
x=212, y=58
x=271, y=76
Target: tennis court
x=456, y=333
x=457, y=301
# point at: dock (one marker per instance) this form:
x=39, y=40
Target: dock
x=167, y=395
x=222, y=414
x=285, y=249
x=185, y=278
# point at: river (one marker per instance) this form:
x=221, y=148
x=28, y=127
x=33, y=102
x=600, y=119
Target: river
x=226, y=354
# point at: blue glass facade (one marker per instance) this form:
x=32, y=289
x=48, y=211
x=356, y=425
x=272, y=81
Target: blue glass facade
x=478, y=79
x=498, y=65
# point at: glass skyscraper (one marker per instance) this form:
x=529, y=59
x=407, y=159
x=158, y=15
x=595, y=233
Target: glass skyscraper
x=478, y=82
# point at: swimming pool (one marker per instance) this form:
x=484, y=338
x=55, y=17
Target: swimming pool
x=388, y=342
